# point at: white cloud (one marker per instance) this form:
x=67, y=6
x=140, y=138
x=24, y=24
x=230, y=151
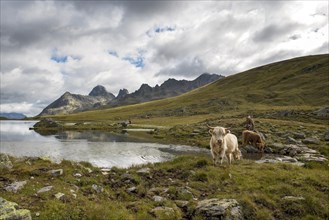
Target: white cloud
x=178, y=39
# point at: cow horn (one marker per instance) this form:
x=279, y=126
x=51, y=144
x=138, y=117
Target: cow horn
x=210, y=127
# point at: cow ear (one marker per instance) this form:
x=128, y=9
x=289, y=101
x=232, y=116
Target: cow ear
x=210, y=131
x=227, y=131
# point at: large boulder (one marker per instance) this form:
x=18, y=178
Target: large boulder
x=219, y=209
x=10, y=210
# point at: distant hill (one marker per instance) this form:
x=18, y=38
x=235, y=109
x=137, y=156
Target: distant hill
x=12, y=115
x=301, y=83
x=71, y=103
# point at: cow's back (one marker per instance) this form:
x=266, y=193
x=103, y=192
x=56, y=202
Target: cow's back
x=231, y=142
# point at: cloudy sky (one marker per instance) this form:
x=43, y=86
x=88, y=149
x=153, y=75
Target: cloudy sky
x=49, y=47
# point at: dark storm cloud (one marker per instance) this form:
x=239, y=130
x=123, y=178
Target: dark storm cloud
x=274, y=32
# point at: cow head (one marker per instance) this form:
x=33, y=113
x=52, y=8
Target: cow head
x=218, y=134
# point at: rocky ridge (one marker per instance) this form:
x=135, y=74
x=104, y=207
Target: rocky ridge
x=71, y=103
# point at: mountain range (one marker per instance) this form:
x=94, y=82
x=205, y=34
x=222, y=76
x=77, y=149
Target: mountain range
x=12, y=115
x=99, y=97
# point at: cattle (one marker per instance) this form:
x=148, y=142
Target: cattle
x=223, y=143
x=253, y=138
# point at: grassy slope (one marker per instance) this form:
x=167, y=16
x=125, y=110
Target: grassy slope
x=287, y=84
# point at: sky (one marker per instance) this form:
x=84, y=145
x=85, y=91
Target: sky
x=50, y=47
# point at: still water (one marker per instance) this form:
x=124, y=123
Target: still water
x=102, y=149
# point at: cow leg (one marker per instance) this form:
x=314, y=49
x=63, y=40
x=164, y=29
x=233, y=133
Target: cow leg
x=229, y=157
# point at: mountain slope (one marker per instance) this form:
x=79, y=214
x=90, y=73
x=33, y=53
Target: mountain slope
x=300, y=82
x=70, y=103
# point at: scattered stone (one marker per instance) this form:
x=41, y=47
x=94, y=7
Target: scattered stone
x=182, y=204
x=97, y=188
x=311, y=141
x=284, y=159
x=5, y=162
x=158, y=199
x=10, y=211
x=163, y=213
x=293, y=198
x=250, y=149
x=132, y=189
x=326, y=136
x=323, y=112
x=77, y=175
x=298, y=135
x=144, y=171
x=60, y=196
x=268, y=150
x=311, y=157
x=219, y=209
x=58, y=172
x=45, y=189
x=291, y=140
x=14, y=187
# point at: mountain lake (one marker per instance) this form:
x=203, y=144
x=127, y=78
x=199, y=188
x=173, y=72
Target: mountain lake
x=100, y=148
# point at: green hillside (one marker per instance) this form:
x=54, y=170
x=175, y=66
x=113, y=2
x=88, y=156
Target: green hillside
x=299, y=83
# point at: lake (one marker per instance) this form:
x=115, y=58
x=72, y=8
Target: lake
x=100, y=148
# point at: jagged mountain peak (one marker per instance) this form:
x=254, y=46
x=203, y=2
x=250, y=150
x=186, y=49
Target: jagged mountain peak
x=98, y=91
x=122, y=93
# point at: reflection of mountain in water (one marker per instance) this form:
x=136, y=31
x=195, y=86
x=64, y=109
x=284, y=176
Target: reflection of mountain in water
x=96, y=136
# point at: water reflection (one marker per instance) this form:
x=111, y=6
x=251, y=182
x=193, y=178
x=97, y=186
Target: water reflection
x=102, y=149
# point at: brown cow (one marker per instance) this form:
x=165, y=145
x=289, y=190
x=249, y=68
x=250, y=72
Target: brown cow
x=253, y=138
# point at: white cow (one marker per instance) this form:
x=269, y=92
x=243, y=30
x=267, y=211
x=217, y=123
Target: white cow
x=223, y=143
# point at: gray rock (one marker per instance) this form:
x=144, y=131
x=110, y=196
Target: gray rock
x=57, y=172
x=298, y=135
x=293, y=198
x=268, y=150
x=144, y=171
x=11, y=211
x=5, y=162
x=97, y=188
x=291, y=140
x=219, y=209
x=323, y=112
x=60, y=196
x=326, y=136
x=163, y=212
x=158, y=199
x=182, y=203
x=250, y=149
x=311, y=141
x=275, y=159
x=14, y=187
x=45, y=189
x=132, y=189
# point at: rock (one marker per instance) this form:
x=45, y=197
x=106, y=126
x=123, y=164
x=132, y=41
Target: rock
x=250, y=149
x=298, y=135
x=14, y=187
x=182, y=204
x=323, y=112
x=158, y=199
x=45, y=189
x=163, y=213
x=284, y=159
x=97, y=188
x=326, y=136
x=11, y=211
x=58, y=172
x=77, y=175
x=291, y=140
x=132, y=189
x=219, y=209
x=144, y=171
x=5, y=162
x=311, y=141
x=60, y=196
x=268, y=150
x=293, y=198
x=311, y=157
